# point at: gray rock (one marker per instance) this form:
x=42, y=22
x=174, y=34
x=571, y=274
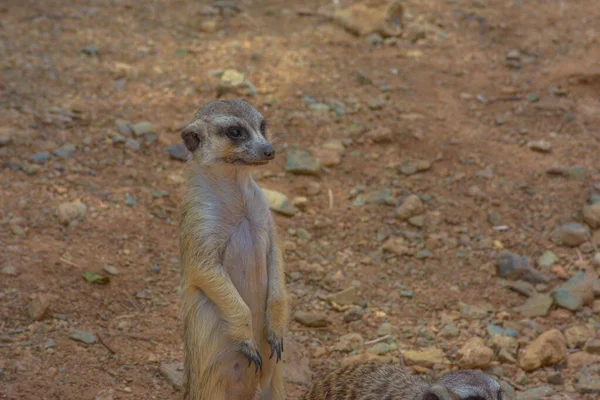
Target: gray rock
x=385, y=329
x=376, y=103
x=319, y=107
x=374, y=39
x=547, y=259
x=522, y=287
x=129, y=200
x=383, y=196
x=132, y=144
x=538, y=393
x=345, y=297
x=178, y=152
x=509, y=392
x=383, y=348
x=84, y=337
x=279, y=202
x=38, y=306
x=118, y=139
x=311, y=319
x=410, y=207
x=494, y=330
x=50, y=344
x=173, y=373
x=71, y=212
x=5, y=140
x=142, y=128
x=513, y=266
x=111, y=270
x=450, y=331
x=353, y=314
x=301, y=162
x=65, y=151
x=513, y=55
x=90, y=50
x=410, y=167
x=574, y=293
x=537, y=305
x=123, y=128
x=40, y=158
x=541, y=146
x=571, y=234
x=588, y=383
x=473, y=312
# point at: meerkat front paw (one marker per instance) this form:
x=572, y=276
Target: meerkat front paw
x=276, y=342
x=249, y=349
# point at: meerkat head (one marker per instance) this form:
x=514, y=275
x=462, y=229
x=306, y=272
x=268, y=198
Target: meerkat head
x=464, y=385
x=228, y=132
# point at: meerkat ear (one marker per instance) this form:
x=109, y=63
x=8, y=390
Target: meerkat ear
x=193, y=135
x=437, y=392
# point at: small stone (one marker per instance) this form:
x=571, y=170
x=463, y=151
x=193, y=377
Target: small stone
x=591, y=215
x=383, y=348
x=539, y=393
x=178, y=152
x=346, y=297
x=380, y=135
x=576, y=292
x=302, y=163
x=5, y=140
x=71, y=212
x=494, y=330
x=353, y=314
x=209, y=25
x=279, y=202
x=577, y=336
x=311, y=319
x=541, y=146
x=300, y=202
x=504, y=347
x=349, y=342
x=410, y=207
x=513, y=266
x=328, y=158
x=40, y=158
x=533, y=97
x=10, y=270
x=155, y=269
x=84, y=337
x=111, y=270
x=132, y=144
x=555, y=378
x=123, y=128
x=374, y=39
x=513, y=55
x=65, y=151
x=38, y=306
x=550, y=348
x=395, y=245
x=522, y=287
x=474, y=354
x=319, y=107
x=450, y=331
x=537, y=305
x=572, y=234
x=417, y=220
x=90, y=50
x=588, y=384
x=142, y=128
x=383, y=196
x=385, y=329
x=426, y=358
x=129, y=200
x=547, y=260
x=173, y=373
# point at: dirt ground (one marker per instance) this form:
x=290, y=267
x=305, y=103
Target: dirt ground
x=488, y=110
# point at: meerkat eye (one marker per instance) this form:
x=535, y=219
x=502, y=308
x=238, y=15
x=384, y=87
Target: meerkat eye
x=263, y=127
x=235, y=133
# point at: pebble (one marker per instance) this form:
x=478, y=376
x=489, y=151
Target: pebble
x=591, y=215
x=541, y=146
x=123, y=128
x=129, y=200
x=279, y=202
x=410, y=167
x=588, y=383
x=301, y=162
x=38, y=306
x=71, y=212
x=576, y=292
x=380, y=135
x=346, y=297
x=410, y=207
x=522, y=287
x=382, y=196
x=395, y=245
x=311, y=319
x=385, y=329
x=577, y=336
x=353, y=314
x=5, y=140
x=349, y=342
x=111, y=270
x=538, y=393
x=319, y=107
x=537, y=305
x=173, y=373
x=549, y=348
x=10, y=270
x=142, y=128
x=474, y=355
x=426, y=358
x=132, y=144
x=65, y=151
x=376, y=103
x=155, y=269
x=449, y=331
x=383, y=348
x=84, y=337
x=572, y=234
x=90, y=50
x=547, y=260
x=40, y=158
x=505, y=348
x=178, y=152
x=513, y=266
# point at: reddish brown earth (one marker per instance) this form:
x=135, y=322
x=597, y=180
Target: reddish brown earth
x=449, y=95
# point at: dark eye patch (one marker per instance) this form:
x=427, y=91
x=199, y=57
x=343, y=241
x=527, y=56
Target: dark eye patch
x=263, y=127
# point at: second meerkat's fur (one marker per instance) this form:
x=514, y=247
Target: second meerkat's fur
x=375, y=380
x=233, y=288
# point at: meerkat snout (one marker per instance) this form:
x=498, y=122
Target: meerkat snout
x=228, y=132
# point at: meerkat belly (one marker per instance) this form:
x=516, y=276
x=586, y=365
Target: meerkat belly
x=246, y=261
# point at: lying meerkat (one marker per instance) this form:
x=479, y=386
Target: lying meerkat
x=233, y=288
x=373, y=380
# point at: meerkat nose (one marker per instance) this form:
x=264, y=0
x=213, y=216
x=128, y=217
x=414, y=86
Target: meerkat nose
x=268, y=152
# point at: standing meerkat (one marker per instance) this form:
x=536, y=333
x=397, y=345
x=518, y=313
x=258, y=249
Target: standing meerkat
x=378, y=381
x=233, y=289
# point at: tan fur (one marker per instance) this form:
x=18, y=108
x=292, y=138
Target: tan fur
x=233, y=287
x=375, y=380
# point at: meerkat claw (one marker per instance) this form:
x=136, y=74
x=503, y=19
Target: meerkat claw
x=251, y=353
